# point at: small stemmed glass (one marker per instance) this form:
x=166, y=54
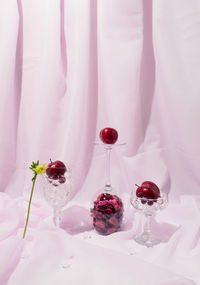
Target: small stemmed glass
x=149, y=207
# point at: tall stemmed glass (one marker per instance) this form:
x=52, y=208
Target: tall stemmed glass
x=148, y=207
x=107, y=208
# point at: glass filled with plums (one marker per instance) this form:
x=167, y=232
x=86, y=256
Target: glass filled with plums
x=148, y=199
x=107, y=208
x=57, y=187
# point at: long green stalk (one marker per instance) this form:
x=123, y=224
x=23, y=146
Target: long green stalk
x=29, y=205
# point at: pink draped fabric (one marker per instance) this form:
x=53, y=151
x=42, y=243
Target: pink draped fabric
x=69, y=68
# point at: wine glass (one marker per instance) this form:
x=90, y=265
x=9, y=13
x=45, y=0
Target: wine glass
x=107, y=208
x=148, y=207
x=57, y=193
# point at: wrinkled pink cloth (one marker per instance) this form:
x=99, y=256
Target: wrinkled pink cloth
x=75, y=252
x=68, y=69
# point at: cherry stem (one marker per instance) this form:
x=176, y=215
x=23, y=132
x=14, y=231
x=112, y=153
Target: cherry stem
x=50, y=160
x=137, y=185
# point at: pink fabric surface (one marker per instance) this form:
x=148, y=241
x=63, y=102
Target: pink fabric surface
x=75, y=253
x=69, y=68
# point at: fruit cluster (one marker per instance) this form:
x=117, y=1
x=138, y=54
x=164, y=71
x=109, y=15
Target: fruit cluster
x=55, y=172
x=107, y=213
x=148, y=192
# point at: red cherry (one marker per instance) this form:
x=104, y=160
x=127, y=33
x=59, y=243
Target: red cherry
x=56, y=169
x=108, y=135
x=62, y=179
x=150, y=203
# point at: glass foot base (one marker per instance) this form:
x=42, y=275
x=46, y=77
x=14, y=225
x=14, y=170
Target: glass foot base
x=147, y=239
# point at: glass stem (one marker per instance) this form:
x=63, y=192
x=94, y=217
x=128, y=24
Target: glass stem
x=108, y=183
x=147, y=224
x=56, y=217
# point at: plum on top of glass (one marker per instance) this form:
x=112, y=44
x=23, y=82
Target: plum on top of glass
x=108, y=135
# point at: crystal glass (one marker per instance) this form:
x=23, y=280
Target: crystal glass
x=57, y=193
x=107, y=208
x=148, y=207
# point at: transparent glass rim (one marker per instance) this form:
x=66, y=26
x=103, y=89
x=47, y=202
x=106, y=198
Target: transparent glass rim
x=149, y=206
x=163, y=196
x=109, y=145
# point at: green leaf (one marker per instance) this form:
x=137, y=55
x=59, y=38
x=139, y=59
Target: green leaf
x=32, y=167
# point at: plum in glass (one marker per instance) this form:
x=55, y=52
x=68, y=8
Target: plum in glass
x=148, y=199
x=57, y=187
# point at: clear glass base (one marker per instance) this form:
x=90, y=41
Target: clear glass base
x=57, y=217
x=147, y=239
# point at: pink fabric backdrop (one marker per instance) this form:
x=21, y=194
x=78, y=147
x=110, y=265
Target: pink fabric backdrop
x=69, y=68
